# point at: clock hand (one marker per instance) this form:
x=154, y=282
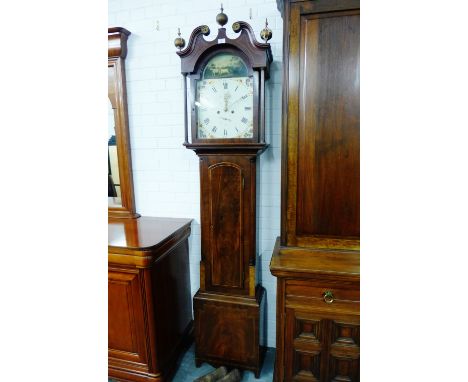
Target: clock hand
x=237, y=100
x=226, y=99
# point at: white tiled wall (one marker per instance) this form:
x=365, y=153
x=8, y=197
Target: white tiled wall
x=166, y=174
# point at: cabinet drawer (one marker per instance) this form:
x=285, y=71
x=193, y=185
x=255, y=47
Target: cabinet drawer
x=323, y=296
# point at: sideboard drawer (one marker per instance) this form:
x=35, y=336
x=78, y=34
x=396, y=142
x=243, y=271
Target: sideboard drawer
x=323, y=296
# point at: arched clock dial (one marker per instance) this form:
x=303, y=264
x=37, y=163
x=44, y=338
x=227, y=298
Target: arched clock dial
x=225, y=99
x=225, y=108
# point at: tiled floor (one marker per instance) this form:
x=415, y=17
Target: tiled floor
x=187, y=371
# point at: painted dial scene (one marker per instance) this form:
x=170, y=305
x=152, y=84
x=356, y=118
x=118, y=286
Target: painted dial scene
x=225, y=99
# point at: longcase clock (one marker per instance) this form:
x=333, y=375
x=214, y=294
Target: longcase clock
x=224, y=82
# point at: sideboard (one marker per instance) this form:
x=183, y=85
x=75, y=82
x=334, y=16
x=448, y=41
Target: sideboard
x=149, y=301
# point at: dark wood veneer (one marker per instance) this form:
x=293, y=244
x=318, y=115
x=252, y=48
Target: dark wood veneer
x=228, y=197
x=320, y=156
x=150, y=310
x=316, y=341
x=316, y=260
x=229, y=307
x=328, y=127
x=234, y=323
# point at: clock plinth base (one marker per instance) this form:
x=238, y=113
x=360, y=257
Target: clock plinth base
x=227, y=330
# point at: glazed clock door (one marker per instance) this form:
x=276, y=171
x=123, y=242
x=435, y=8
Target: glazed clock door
x=225, y=99
x=228, y=195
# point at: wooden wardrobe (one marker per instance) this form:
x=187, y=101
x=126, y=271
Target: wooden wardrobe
x=316, y=259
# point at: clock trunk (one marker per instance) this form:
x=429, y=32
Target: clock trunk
x=228, y=196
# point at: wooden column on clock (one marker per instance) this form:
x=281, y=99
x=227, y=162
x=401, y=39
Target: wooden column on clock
x=226, y=103
x=316, y=260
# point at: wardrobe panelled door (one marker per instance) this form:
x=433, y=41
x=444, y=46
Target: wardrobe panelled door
x=322, y=125
x=328, y=197
x=316, y=259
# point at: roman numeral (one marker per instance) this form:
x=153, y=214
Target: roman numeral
x=236, y=129
x=207, y=120
x=236, y=88
x=225, y=133
x=247, y=108
x=225, y=85
x=244, y=120
x=214, y=129
x=245, y=96
x=214, y=89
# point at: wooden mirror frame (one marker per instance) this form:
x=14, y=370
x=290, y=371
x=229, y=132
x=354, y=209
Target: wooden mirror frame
x=117, y=92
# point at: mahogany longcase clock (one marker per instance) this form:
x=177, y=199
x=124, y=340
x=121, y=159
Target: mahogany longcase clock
x=225, y=118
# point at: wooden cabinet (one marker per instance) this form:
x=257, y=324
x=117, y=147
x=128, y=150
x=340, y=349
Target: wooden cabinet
x=317, y=314
x=316, y=260
x=149, y=302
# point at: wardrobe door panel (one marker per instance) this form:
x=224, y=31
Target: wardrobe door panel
x=322, y=169
x=328, y=174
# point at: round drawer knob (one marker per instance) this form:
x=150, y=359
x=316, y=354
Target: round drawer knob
x=328, y=297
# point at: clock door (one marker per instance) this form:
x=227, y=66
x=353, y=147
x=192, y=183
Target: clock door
x=225, y=99
x=227, y=224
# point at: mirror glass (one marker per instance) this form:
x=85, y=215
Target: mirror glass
x=114, y=193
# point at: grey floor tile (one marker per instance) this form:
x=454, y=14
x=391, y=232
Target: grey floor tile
x=187, y=371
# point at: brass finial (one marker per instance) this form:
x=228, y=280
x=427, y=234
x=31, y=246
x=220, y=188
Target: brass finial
x=266, y=33
x=179, y=42
x=222, y=18
x=205, y=29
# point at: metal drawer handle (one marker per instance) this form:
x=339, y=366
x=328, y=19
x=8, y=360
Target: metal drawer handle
x=328, y=297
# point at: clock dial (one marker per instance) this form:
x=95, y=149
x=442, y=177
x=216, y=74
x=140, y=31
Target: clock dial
x=225, y=108
x=224, y=100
